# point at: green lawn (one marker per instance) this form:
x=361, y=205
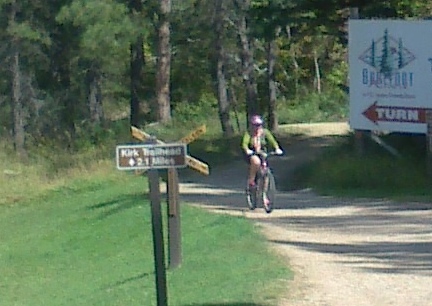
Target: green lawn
x=91, y=244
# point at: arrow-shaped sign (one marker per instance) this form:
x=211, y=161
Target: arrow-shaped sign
x=376, y=113
x=190, y=161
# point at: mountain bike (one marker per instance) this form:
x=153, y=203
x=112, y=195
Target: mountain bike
x=264, y=189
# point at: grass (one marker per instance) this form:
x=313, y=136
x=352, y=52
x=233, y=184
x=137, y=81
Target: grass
x=89, y=243
x=340, y=171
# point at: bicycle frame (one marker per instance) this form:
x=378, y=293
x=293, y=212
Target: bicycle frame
x=264, y=184
x=264, y=171
x=264, y=167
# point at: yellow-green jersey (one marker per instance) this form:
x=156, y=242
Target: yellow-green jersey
x=265, y=139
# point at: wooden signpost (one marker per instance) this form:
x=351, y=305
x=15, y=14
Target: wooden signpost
x=152, y=155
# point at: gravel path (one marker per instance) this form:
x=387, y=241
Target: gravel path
x=343, y=252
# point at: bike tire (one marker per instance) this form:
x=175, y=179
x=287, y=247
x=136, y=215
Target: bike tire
x=270, y=192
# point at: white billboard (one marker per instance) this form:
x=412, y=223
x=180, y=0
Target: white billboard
x=390, y=72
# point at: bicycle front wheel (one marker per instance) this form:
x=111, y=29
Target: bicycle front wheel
x=269, y=192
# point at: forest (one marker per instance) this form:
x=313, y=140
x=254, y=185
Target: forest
x=70, y=67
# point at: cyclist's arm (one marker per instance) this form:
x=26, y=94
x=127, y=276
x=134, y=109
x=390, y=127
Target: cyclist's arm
x=245, y=141
x=271, y=139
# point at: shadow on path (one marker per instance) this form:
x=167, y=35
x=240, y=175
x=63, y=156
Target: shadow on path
x=381, y=236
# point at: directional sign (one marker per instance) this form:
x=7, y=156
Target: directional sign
x=192, y=162
x=194, y=135
x=390, y=75
x=377, y=113
x=151, y=156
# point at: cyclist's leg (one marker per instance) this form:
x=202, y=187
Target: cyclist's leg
x=254, y=164
x=266, y=200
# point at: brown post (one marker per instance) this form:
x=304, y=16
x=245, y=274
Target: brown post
x=174, y=228
x=158, y=241
x=429, y=142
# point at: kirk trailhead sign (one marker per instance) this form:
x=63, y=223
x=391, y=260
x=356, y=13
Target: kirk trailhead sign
x=151, y=156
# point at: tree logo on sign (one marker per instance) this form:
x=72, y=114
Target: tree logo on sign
x=387, y=55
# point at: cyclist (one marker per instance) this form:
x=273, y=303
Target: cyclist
x=255, y=141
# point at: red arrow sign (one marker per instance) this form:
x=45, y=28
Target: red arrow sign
x=377, y=113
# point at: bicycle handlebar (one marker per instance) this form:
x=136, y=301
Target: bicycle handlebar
x=265, y=154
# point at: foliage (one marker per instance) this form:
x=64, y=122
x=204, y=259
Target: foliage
x=62, y=42
x=376, y=174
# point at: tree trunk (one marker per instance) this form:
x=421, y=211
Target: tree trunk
x=95, y=96
x=164, y=63
x=317, y=73
x=222, y=92
x=272, y=107
x=247, y=59
x=295, y=63
x=136, y=66
x=18, y=107
x=233, y=103
x=17, y=97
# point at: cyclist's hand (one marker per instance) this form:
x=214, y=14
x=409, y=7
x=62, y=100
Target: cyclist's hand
x=249, y=152
x=278, y=151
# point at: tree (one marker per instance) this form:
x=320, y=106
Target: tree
x=23, y=43
x=164, y=63
x=136, y=67
x=17, y=104
x=247, y=58
x=271, y=83
x=106, y=31
x=221, y=81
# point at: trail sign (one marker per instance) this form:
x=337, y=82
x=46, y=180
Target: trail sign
x=151, y=156
x=383, y=113
x=194, y=134
x=174, y=232
x=390, y=74
x=192, y=162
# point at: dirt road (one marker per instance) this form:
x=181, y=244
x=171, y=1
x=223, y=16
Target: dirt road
x=343, y=252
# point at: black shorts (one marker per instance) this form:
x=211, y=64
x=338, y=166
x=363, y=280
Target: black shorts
x=247, y=158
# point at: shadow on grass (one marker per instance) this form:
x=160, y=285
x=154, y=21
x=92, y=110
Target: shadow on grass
x=129, y=280
x=119, y=204
x=132, y=279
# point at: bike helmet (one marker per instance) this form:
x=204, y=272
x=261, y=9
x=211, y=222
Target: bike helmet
x=256, y=120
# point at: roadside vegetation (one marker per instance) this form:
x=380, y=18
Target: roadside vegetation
x=341, y=171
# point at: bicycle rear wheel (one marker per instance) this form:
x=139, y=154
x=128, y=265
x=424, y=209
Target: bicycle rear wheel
x=269, y=192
